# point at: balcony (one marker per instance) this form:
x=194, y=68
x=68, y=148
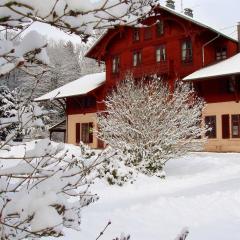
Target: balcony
x=161, y=68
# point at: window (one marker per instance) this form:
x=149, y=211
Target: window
x=159, y=29
x=84, y=132
x=187, y=53
x=115, y=64
x=137, y=58
x=236, y=126
x=136, y=35
x=225, y=126
x=210, y=122
x=161, y=54
x=87, y=101
x=221, y=53
x=147, y=33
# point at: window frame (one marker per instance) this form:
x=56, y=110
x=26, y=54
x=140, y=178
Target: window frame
x=81, y=132
x=232, y=125
x=161, y=53
x=136, y=35
x=115, y=64
x=221, y=53
x=209, y=134
x=187, y=51
x=159, y=26
x=138, y=59
x=148, y=33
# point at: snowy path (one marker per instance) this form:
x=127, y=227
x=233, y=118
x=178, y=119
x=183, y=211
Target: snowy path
x=202, y=192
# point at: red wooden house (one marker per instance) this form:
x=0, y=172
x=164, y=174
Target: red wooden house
x=167, y=43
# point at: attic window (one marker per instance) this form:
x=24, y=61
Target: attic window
x=221, y=53
x=136, y=35
x=147, y=33
x=159, y=28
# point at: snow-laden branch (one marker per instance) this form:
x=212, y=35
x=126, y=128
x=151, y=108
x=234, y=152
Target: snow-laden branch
x=45, y=190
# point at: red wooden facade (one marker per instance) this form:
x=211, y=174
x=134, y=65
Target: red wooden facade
x=176, y=31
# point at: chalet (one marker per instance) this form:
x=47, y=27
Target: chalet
x=170, y=44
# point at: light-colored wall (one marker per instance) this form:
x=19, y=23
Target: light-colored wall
x=218, y=144
x=214, y=145
x=81, y=118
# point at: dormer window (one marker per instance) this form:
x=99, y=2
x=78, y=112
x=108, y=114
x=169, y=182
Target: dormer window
x=221, y=53
x=137, y=58
x=187, y=52
x=147, y=33
x=136, y=34
x=161, y=53
x=159, y=29
x=115, y=64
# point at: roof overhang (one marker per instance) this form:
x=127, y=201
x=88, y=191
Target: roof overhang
x=81, y=86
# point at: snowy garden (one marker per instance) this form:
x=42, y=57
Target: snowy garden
x=149, y=183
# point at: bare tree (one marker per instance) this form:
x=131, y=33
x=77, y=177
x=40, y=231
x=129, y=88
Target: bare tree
x=148, y=124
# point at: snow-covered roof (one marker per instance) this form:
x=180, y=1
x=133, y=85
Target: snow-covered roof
x=78, y=87
x=223, y=68
x=181, y=15
x=198, y=22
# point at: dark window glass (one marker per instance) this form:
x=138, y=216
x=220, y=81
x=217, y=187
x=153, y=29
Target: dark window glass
x=236, y=126
x=221, y=53
x=210, y=122
x=87, y=132
x=77, y=133
x=136, y=34
x=159, y=29
x=116, y=64
x=147, y=33
x=187, y=52
x=161, y=54
x=137, y=59
x=87, y=102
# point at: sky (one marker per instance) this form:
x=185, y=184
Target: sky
x=220, y=14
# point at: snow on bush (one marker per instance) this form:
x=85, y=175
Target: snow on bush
x=45, y=190
x=148, y=124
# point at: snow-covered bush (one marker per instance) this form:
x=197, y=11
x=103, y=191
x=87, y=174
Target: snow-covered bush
x=112, y=168
x=148, y=124
x=45, y=189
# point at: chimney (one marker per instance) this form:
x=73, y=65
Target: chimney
x=188, y=12
x=170, y=4
x=238, y=32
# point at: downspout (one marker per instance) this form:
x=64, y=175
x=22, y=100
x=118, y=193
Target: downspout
x=203, y=48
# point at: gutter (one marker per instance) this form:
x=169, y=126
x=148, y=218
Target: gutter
x=203, y=48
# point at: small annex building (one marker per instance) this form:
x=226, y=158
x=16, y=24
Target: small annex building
x=82, y=99
x=219, y=86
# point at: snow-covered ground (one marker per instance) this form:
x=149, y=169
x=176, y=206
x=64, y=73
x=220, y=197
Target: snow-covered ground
x=201, y=192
